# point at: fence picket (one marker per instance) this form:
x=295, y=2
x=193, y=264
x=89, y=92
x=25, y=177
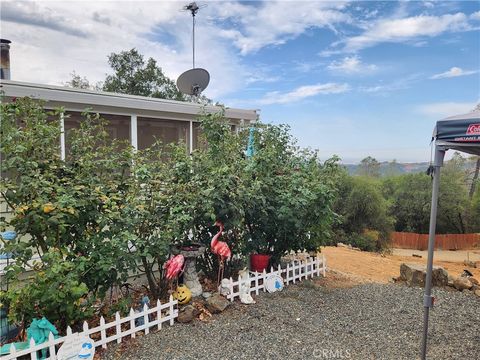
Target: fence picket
x=170, y=308
x=287, y=278
x=132, y=322
x=264, y=277
x=51, y=345
x=33, y=354
x=324, y=265
x=146, y=319
x=256, y=283
x=118, y=327
x=159, y=315
x=103, y=333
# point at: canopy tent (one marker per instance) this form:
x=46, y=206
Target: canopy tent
x=462, y=133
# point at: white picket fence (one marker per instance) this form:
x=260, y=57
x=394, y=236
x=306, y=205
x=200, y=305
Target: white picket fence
x=152, y=317
x=293, y=272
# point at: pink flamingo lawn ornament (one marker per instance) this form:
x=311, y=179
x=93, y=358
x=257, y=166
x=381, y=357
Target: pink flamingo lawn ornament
x=221, y=249
x=174, y=267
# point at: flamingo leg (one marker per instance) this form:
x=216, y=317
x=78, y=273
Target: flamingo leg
x=221, y=267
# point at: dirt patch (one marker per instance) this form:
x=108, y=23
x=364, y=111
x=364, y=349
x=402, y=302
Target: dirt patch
x=372, y=267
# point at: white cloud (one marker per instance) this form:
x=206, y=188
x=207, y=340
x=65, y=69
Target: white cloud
x=303, y=92
x=276, y=22
x=453, y=72
x=443, y=109
x=351, y=65
x=404, y=29
x=475, y=15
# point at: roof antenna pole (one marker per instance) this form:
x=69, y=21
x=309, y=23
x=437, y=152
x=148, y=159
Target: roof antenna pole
x=193, y=8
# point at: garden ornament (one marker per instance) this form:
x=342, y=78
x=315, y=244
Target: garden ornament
x=221, y=249
x=244, y=277
x=224, y=288
x=182, y=294
x=250, y=149
x=274, y=283
x=38, y=330
x=141, y=320
x=174, y=267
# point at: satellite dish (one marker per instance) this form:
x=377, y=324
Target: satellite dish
x=193, y=81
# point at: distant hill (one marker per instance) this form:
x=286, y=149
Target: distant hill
x=394, y=168
x=388, y=168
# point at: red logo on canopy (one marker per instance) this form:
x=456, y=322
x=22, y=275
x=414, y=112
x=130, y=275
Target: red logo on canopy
x=473, y=129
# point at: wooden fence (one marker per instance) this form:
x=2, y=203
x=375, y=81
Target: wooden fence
x=404, y=240
x=105, y=333
x=295, y=271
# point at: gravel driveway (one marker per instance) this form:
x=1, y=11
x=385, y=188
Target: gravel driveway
x=308, y=321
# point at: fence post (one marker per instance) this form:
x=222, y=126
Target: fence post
x=171, y=310
x=159, y=315
x=69, y=331
x=132, y=323
x=230, y=287
x=103, y=333
x=256, y=282
x=118, y=327
x=145, y=319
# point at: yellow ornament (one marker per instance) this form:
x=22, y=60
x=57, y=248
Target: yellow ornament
x=182, y=294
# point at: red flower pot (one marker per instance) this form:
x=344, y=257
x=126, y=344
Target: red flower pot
x=259, y=262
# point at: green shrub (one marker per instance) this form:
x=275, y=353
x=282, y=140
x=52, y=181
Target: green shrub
x=54, y=291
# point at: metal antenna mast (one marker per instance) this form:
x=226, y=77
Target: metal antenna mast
x=193, y=8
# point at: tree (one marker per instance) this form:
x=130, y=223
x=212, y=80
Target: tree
x=453, y=202
x=135, y=76
x=80, y=82
x=362, y=210
x=369, y=167
x=411, y=198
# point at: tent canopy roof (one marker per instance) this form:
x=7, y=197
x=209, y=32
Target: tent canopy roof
x=460, y=132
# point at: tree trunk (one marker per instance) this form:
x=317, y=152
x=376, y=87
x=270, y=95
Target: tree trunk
x=151, y=281
x=475, y=178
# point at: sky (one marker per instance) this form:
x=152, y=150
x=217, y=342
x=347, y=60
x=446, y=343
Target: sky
x=353, y=79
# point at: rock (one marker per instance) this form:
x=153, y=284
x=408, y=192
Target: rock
x=342, y=245
x=356, y=248
x=477, y=292
x=206, y=294
x=414, y=275
x=217, y=303
x=416, y=255
x=462, y=283
x=474, y=281
x=187, y=314
x=470, y=263
x=451, y=279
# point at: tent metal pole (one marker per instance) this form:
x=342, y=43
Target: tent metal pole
x=428, y=299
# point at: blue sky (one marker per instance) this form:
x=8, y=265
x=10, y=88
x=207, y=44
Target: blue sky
x=350, y=78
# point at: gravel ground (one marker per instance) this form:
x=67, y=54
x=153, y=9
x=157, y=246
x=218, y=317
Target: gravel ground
x=308, y=321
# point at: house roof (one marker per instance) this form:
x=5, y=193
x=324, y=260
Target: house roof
x=111, y=103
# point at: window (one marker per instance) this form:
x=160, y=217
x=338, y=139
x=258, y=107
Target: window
x=167, y=131
x=118, y=126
